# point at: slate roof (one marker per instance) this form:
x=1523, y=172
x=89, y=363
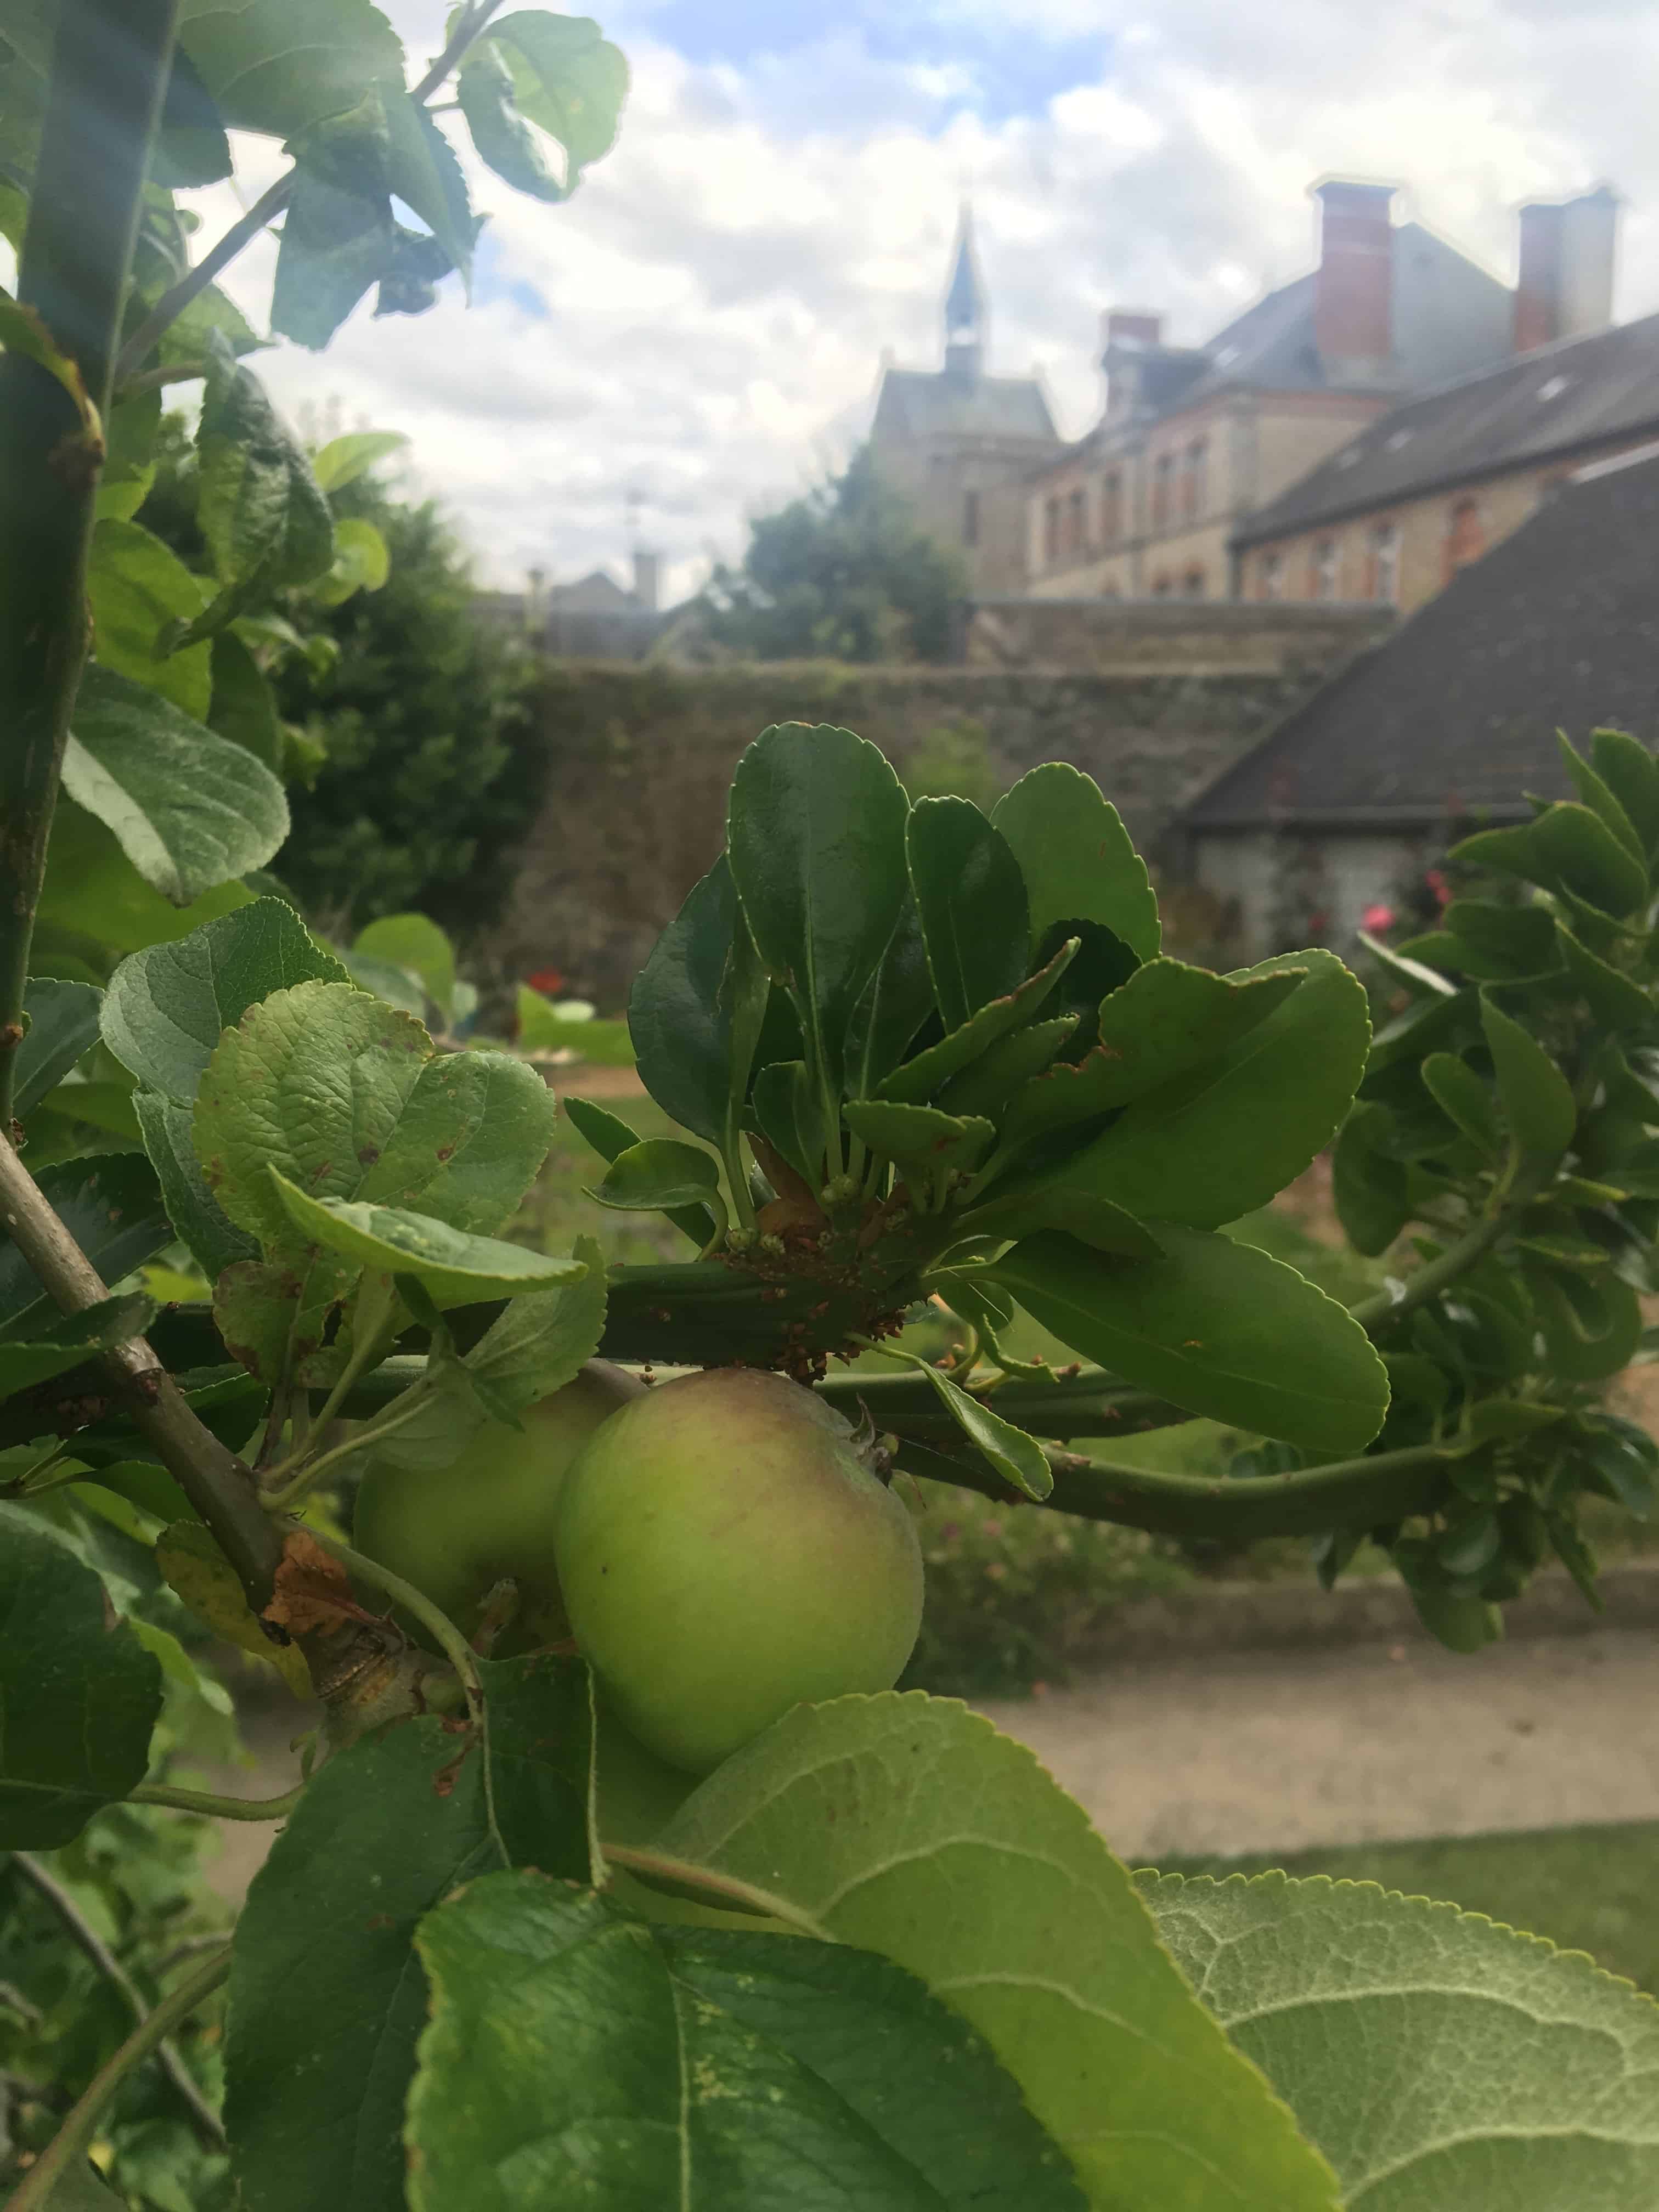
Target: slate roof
x=1456, y=714
x=1559, y=399
x=916, y=404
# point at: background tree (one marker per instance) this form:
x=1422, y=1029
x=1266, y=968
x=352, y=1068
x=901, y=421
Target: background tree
x=416, y=774
x=846, y=573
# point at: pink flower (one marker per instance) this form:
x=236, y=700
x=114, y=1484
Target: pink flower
x=1437, y=884
x=1376, y=918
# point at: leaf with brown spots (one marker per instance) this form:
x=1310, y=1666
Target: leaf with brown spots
x=313, y=1588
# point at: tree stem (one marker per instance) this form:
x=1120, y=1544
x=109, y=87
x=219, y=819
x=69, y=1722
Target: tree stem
x=109, y=70
x=1344, y=1493
x=213, y=1478
x=214, y=1807
x=1430, y=1279
x=70, y=2144
x=85, y=1936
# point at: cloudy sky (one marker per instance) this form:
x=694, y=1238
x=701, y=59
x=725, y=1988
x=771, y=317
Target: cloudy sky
x=707, y=315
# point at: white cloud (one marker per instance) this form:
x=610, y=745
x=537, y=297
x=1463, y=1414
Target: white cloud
x=719, y=291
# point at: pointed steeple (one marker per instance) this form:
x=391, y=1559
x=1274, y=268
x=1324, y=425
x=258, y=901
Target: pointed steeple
x=965, y=316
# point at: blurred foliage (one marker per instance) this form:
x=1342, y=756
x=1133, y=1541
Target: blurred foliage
x=953, y=761
x=845, y=573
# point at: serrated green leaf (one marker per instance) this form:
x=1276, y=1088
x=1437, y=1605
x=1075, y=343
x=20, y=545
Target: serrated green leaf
x=337, y=238
x=1599, y=797
x=110, y=1206
x=1229, y=1134
x=188, y=808
x=344, y=458
x=1537, y=1098
x=536, y=73
x=457, y=1268
x=1017, y=1458
x=362, y=562
x=819, y=2074
x=327, y=1997
x=138, y=587
x=343, y=1097
x=410, y=941
x=611, y=1136
x=1010, y=1211
x=659, y=1176
x=1165, y=1019
x=280, y=66
x=1499, y=942
x=1630, y=772
x=970, y=896
x=988, y=1085
x=61, y=1024
x=244, y=706
x=422, y=171
x=1205, y=1325
x=168, y=1007
x=1499, y=2075
x=1568, y=849
x=1076, y=856
x=1460, y=1093
x=815, y=843
x=190, y=145
x=1613, y=997
x=215, y=1242
x=1371, y=1188
x=907, y=1825
x=922, y=1140
x=677, y=1013
x=917, y=1080
x=79, y=1695
x=895, y=1002
x=265, y=521
x=66, y=1343
x=1590, y=1328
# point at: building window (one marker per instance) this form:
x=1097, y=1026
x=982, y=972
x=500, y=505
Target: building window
x=1270, y=576
x=1194, y=487
x=1112, y=507
x=1192, y=583
x=1163, y=485
x=1384, y=577
x=970, y=518
x=1074, y=524
x=1051, y=532
x=1160, y=587
x=1322, y=569
x=1466, y=538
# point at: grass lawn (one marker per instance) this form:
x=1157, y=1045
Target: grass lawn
x=1587, y=1889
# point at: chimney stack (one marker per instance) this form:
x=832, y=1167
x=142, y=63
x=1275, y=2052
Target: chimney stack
x=1564, y=286
x=1353, y=285
x=535, y=600
x=647, y=583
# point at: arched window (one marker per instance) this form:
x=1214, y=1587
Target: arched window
x=1192, y=583
x=1322, y=569
x=1163, y=485
x=1051, y=531
x=1383, y=577
x=1270, y=576
x=1112, y=507
x=1194, y=489
x=970, y=518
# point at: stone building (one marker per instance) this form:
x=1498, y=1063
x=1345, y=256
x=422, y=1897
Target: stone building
x=1194, y=439
x=593, y=617
x=958, y=441
x=1446, y=726
x=1433, y=484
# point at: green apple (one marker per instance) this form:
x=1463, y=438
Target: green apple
x=726, y=1550
x=455, y=1531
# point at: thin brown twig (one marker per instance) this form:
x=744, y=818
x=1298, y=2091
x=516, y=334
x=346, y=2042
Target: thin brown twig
x=86, y=1938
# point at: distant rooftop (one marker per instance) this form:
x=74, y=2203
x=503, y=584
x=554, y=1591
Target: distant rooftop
x=1559, y=399
x=1455, y=715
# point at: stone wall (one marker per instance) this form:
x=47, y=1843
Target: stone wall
x=637, y=760
x=1177, y=637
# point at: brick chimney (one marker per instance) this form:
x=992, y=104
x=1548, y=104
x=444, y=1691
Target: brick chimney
x=1354, y=282
x=1130, y=327
x=1564, y=286
x=646, y=579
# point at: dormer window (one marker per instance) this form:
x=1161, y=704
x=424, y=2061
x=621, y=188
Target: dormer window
x=1553, y=387
x=1396, y=440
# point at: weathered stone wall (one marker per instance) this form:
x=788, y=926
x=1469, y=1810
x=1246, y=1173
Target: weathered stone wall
x=638, y=759
x=1184, y=637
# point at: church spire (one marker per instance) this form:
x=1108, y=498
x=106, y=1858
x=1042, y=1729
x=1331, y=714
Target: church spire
x=965, y=315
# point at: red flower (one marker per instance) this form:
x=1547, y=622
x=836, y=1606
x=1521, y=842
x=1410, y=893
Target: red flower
x=1378, y=919
x=546, y=981
x=1437, y=884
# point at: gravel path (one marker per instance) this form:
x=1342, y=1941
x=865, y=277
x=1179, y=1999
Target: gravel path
x=1267, y=1751
x=1275, y=1750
